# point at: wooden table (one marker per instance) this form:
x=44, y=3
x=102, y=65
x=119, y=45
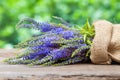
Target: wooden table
x=69, y=72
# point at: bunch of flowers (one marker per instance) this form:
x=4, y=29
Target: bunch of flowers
x=58, y=44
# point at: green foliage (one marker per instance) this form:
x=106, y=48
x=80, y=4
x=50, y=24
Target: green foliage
x=73, y=11
x=88, y=32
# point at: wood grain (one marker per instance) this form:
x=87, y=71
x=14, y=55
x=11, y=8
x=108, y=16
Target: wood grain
x=68, y=72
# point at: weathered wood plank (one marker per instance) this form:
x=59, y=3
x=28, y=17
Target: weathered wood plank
x=69, y=72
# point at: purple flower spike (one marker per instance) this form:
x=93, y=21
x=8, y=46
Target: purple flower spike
x=44, y=27
x=58, y=54
x=67, y=34
x=42, y=52
x=57, y=30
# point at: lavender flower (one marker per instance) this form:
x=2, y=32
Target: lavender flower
x=43, y=26
x=39, y=53
x=57, y=45
x=55, y=55
x=70, y=61
x=81, y=50
x=39, y=41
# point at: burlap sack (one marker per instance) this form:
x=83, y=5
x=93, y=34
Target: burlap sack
x=114, y=47
x=101, y=41
x=106, y=43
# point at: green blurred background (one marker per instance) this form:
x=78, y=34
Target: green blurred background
x=73, y=11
